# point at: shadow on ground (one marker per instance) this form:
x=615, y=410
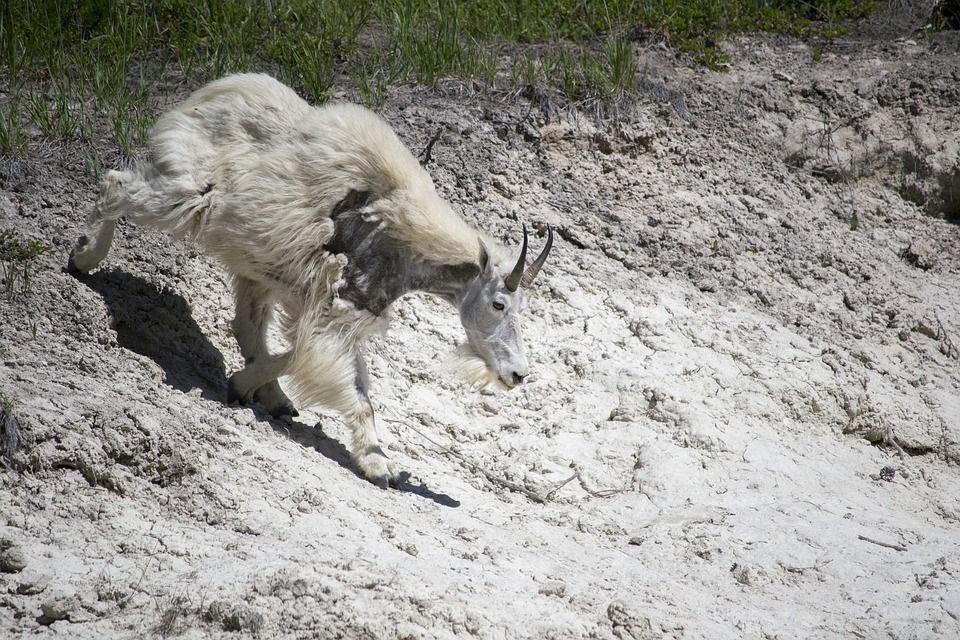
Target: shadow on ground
x=156, y=323
x=315, y=438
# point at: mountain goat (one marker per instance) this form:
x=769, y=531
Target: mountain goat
x=324, y=213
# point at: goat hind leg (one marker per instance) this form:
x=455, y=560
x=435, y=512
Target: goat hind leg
x=92, y=247
x=254, y=311
x=244, y=385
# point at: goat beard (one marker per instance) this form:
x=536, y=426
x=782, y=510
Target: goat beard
x=471, y=368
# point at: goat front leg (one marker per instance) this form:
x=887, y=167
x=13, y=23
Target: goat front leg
x=254, y=311
x=367, y=453
x=326, y=370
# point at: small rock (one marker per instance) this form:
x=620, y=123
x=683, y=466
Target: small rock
x=12, y=560
x=528, y=131
x=920, y=254
x=708, y=284
x=888, y=474
x=603, y=142
x=742, y=574
x=59, y=606
x=32, y=583
x=853, y=300
x=553, y=588
x=629, y=624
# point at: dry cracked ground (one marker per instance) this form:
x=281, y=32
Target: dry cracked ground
x=744, y=422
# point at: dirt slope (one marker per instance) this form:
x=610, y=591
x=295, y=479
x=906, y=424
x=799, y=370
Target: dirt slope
x=744, y=423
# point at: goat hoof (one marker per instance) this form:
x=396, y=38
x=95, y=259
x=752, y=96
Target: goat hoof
x=271, y=397
x=378, y=469
x=233, y=396
x=284, y=410
x=78, y=269
x=388, y=481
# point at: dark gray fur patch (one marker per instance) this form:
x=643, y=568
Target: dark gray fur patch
x=378, y=269
x=350, y=228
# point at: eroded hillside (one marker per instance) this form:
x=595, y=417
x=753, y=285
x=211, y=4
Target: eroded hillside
x=743, y=422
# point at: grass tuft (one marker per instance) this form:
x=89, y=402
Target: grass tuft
x=13, y=139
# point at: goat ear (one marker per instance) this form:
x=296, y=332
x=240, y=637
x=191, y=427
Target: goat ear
x=486, y=258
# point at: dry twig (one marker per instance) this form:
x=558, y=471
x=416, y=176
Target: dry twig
x=946, y=344
x=888, y=545
x=890, y=439
x=427, y=153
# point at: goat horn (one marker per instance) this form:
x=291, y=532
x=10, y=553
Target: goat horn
x=512, y=281
x=534, y=268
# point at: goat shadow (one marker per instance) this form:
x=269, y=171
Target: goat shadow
x=157, y=323
x=315, y=438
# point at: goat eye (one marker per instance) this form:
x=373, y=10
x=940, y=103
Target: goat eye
x=498, y=305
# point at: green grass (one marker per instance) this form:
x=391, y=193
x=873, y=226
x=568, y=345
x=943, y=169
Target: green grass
x=13, y=138
x=85, y=71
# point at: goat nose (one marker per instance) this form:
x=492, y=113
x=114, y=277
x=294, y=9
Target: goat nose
x=517, y=378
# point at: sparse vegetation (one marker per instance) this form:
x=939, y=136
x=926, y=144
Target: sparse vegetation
x=173, y=615
x=18, y=261
x=13, y=139
x=86, y=70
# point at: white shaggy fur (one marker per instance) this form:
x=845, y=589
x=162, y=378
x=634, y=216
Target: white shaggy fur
x=251, y=172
